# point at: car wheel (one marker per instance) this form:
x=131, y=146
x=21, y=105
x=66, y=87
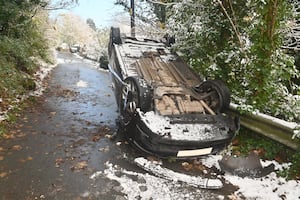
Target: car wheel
x=216, y=94
x=135, y=93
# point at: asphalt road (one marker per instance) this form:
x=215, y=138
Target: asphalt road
x=61, y=146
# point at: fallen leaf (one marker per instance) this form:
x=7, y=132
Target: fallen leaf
x=52, y=114
x=235, y=142
x=29, y=158
x=20, y=125
x=3, y=174
x=21, y=135
x=95, y=138
x=260, y=152
x=59, y=145
x=8, y=136
x=154, y=159
x=187, y=166
x=59, y=161
x=199, y=166
x=17, y=147
x=12, y=132
x=1, y=158
x=79, y=166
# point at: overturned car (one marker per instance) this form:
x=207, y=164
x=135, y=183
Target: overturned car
x=165, y=108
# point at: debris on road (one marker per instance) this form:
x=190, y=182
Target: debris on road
x=245, y=166
x=196, y=181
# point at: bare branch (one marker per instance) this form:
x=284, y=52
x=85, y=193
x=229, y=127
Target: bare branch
x=232, y=23
x=63, y=4
x=161, y=3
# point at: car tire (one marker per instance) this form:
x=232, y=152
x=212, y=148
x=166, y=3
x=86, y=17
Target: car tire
x=218, y=90
x=135, y=94
x=226, y=94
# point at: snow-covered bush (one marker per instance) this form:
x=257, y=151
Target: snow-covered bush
x=240, y=43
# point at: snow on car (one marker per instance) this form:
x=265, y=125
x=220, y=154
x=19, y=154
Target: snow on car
x=165, y=108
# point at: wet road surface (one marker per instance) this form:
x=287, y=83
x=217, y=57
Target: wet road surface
x=64, y=138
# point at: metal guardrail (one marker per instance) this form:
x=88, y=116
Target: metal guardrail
x=286, y=133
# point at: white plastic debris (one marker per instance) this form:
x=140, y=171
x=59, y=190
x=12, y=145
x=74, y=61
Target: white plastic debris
x=196, y=181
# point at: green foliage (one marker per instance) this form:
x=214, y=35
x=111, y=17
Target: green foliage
x=240, y=43
x=21, y=43
x=294, y=170
x=268, y=149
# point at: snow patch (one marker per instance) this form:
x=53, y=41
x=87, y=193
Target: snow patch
x=145, y=186
x=162, y=125
x=268, y=187
x=82, y=84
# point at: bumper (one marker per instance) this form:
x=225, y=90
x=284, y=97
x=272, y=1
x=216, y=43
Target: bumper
x=172, y=137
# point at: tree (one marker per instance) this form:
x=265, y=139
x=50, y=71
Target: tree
x=239, y=42
x=57, y=5
x=91, y=24
x=73, y=30
x=20, y=32
x=150, y=17
x=23, y=25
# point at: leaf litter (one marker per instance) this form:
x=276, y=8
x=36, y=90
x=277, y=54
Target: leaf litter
x=16, y=147
x=79, y=166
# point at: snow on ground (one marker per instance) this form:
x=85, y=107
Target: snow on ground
x=268, y=187
x=196, y=181
x=82, y=84
x=146, y=186
x=39, y=77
